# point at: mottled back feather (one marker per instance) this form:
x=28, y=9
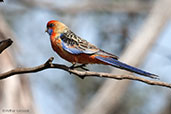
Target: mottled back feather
x=72, y=40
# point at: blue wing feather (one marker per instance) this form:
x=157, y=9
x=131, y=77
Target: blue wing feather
x=76, y=45
x=77, y=51
x=71, y=50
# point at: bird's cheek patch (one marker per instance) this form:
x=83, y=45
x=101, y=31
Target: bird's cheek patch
x=50, y=31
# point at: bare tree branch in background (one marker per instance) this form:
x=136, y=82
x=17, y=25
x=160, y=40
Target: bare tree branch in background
x=81, y=74
x=114, y=6
x=15, y=92
x=5, y=44
x=101, y=103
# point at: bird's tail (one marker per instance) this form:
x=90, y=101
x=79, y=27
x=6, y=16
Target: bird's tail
x=114, y=62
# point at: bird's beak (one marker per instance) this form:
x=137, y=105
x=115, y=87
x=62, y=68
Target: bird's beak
x=46, y=30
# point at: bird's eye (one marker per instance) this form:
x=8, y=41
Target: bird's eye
x=51, y=25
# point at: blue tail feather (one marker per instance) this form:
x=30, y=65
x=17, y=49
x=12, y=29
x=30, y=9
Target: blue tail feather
x=118, y=64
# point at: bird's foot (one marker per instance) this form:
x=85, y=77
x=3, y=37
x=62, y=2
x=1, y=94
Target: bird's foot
x=82, y=66
x=72, y=67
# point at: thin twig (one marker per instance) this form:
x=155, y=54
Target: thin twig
x=5, y=44
x=81, y=74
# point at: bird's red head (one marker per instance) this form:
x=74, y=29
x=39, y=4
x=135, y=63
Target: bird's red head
x=55, y=27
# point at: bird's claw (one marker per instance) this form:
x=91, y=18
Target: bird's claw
x=79, y=66
x=72, y=67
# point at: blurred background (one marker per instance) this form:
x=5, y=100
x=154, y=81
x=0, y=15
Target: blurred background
x=112, y=25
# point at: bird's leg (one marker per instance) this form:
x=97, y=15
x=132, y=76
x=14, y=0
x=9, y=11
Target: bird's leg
x=73, y=66
x=82, y=66
x=79, y=66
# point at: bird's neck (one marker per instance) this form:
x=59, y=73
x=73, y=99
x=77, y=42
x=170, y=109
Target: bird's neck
x=56, y=34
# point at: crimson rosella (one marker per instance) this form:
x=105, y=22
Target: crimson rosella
x=74, y=49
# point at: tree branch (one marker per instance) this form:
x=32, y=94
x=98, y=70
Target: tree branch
x=4, y=44
x=81, y=74
x=114, y=6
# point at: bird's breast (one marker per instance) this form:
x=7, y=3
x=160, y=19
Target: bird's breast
x=57, y=47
